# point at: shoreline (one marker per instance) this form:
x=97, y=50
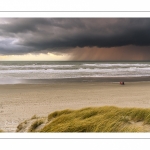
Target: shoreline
x=74, y=80
x=19, y=102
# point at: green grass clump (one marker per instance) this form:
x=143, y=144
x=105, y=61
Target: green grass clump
x=58, y=113
x=34, y=117
x=19, y=127
x=35, y=124
x=98, y=119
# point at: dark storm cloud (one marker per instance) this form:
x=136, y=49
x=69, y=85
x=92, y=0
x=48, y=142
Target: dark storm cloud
x=7, y=47
x=24, y=25
x=30, y=35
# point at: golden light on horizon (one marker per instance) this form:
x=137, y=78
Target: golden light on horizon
x=35, y=57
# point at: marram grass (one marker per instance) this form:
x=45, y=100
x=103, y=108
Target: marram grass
x=99, y=119
x=35, y=125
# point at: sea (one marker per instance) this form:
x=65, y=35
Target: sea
x=13, y=72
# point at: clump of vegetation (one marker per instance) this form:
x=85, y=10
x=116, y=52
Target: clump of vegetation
x=20, y=127
x=35, y=125
x=58, y=113
x=98, y=119
x=34, y=117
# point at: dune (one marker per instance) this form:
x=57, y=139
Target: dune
x=92, y=119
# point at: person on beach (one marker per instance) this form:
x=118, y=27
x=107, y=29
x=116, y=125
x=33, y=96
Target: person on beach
x=122, y=83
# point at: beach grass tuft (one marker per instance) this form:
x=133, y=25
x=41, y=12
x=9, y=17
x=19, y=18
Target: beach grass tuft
x=59, y=113
x=99, y=119
x=20, y=127
x=35, y=124
x=34, y=117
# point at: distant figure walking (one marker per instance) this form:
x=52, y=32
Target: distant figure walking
x=122, y=83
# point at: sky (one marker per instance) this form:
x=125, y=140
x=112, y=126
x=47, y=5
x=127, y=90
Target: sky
x=78, y=39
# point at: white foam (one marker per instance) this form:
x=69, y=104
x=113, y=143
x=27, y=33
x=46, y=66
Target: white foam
x=75, y=70
x=34, y=66
x=116, y=65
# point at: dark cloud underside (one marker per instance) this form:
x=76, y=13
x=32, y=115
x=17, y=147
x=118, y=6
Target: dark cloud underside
x=37, y=35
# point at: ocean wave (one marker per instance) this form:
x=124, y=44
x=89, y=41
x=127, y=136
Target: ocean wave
x=27, y=67
x=79, y=70
x=74, y=70
x=116, y=65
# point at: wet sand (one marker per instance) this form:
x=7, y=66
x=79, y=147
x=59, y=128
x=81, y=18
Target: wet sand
x=19, y=102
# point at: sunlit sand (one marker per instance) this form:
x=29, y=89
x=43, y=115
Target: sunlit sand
x=21, y=101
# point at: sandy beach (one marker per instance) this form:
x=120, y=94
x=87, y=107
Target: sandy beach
x=19, y=102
